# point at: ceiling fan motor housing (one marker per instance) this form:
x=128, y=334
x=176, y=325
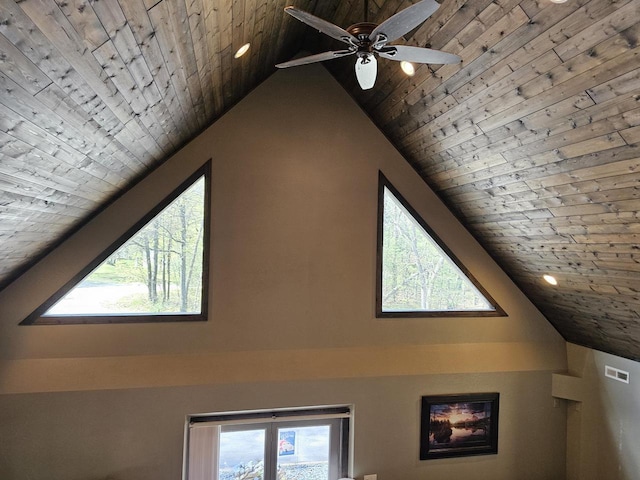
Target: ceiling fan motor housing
x=362, y=31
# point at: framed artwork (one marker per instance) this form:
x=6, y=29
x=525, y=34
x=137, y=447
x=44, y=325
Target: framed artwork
x=459, y=425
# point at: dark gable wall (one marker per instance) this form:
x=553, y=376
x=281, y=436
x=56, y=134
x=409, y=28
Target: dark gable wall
x=295, y=171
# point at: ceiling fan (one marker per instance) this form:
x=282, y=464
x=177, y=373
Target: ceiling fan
x=366, y=40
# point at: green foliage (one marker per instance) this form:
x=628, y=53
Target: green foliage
x=119, y=272
x=166, y=256
x=416, y=274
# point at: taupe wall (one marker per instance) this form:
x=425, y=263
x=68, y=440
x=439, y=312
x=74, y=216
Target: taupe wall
x=295, y=169
x=137, y=434
x=604, y=428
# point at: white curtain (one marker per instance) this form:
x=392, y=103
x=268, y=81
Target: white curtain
x=204, y=443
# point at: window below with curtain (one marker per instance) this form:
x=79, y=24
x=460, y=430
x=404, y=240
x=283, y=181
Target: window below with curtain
x=305, y=444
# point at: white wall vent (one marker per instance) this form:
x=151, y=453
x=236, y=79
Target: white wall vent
x=616, y=374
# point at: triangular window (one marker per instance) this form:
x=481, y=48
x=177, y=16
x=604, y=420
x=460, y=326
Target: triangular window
x=156, y=272
x=417, y=274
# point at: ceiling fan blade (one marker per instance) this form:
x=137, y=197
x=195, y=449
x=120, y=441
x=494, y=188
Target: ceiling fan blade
x=404, y=21
x=320, y=57
x=366, y=71
x=417, y=55
x=322, y=25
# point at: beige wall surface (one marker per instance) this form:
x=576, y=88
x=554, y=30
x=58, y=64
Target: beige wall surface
x=295, y=174
x=604, y=428
x=138, y=434
x=292, y=321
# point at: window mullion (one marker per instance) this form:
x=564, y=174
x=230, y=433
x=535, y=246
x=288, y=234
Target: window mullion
x=270, y=452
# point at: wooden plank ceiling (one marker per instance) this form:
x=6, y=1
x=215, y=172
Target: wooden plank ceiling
x=532, y=140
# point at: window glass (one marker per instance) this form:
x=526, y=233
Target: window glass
x=242, y=454
x=157, y=271
x=417, y=275
x=303, y=452
x=284, y=445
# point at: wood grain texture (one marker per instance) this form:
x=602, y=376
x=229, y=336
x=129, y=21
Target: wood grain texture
x=533, y=140
x=96, y=94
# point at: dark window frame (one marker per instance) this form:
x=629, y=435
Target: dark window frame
x=37, y=318
x=497, y=311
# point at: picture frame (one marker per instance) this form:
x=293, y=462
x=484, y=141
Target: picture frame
x=459, y=425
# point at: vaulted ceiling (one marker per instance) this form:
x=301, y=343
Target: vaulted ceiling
x=533, y=140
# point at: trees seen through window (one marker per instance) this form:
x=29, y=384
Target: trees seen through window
x=155, y=272
x=416, y=274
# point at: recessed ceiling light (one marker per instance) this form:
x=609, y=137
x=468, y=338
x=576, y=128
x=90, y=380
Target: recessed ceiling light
x=550, y=279
x=558, y=1
x=407, y=67
x=242, y=50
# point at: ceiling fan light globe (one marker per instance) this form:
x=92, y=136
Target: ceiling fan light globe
x=366, y=71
